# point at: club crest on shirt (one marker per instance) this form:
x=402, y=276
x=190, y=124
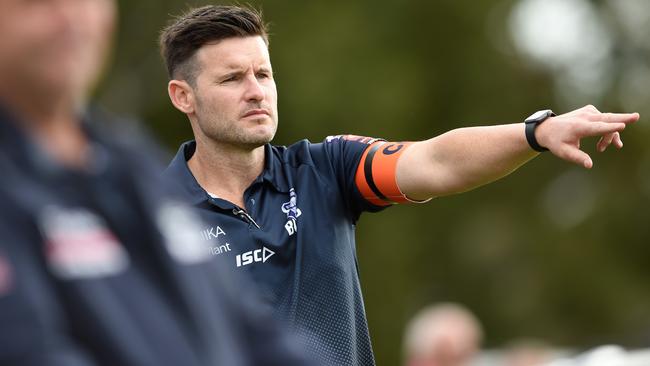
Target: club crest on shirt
x=79, y=244
x=292, y=211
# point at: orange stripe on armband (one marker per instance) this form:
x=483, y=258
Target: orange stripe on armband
x=376, y=178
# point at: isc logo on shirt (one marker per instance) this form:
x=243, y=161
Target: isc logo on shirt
x=259, y=255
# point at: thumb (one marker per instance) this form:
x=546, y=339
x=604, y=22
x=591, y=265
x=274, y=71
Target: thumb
x=575, y=155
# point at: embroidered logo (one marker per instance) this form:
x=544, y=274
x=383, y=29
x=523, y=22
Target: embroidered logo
x=292, y=211
x=259, y=255
x=212, y=232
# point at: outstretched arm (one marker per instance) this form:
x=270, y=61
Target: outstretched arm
x=466, y=158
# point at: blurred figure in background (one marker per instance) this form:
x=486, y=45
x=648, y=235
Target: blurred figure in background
x=442, y=335
x=99, y=264
x=529, y=353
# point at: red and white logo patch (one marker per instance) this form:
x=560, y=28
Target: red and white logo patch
x=6, y=275
x=79, y=244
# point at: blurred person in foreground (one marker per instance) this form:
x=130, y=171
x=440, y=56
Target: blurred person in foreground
x=99, y=264
x=442, y=335
x=286, y=216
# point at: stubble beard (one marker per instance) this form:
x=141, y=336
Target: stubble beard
x=226, y=130
x=222, y=130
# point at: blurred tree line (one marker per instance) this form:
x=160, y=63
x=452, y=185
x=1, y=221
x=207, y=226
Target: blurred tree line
x=552, y=252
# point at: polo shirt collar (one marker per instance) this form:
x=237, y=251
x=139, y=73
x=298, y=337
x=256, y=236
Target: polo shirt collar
x=273, y=172
x=181, y=173
x=195, y=194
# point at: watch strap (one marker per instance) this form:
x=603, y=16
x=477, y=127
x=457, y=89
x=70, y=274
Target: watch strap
x=531, y=124
x=530, y=137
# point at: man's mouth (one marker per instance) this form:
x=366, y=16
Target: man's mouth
x=256, y=112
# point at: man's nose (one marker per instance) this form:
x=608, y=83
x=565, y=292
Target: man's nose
x=254, y=90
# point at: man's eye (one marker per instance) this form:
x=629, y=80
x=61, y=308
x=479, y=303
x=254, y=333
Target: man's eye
x=229, y=78
x=263, y=75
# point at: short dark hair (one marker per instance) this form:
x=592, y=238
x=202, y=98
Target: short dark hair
x=185, y=34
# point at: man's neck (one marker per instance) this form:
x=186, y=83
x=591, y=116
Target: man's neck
x=54, y=125
x=226, y=171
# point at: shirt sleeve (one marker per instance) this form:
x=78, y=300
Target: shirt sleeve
x=365, y=168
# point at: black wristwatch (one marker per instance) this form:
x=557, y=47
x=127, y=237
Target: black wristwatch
x=532, y=122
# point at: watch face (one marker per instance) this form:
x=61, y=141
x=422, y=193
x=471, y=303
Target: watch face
x=539, y=115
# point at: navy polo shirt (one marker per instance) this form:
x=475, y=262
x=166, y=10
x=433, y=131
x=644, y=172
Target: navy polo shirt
x=296, y=239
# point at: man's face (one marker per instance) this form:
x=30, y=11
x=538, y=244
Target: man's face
x=235, y=94
x=54, y=46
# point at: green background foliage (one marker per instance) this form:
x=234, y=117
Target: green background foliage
x=552, y=252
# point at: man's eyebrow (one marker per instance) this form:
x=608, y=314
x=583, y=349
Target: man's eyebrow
x=233, y=70
x=232, y=67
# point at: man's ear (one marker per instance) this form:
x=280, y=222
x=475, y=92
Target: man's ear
x=181, y=95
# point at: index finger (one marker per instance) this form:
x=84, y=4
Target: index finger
x=616, y=117
x=599, y=128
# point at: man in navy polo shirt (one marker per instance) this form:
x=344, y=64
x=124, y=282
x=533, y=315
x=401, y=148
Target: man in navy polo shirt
x=98, y=266
x=286, y=215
